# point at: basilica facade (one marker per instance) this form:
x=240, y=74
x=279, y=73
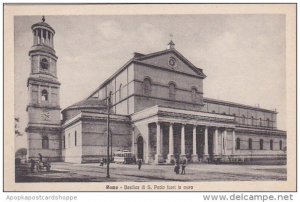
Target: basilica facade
x=157, y=111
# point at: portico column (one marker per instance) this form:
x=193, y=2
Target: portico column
x=222, y=142
x=132, y=140
x=161, y=140
x=225, y=141
x=194, y=140
x=147, y=146
x=233, y=142
x=206, y=141
x=158, y=156
x=216, y=146
x=171, y=144
x=182, y=153
x=194, y=155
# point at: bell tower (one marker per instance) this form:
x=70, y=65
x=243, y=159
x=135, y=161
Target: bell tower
x=44, y=125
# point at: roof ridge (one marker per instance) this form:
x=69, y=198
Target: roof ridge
x=236, y=103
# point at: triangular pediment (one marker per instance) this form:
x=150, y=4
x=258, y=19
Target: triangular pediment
x=171, y=59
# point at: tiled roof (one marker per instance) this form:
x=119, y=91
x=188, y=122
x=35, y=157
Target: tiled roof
x=88, y=103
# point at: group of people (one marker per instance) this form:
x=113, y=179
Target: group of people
x=35, y=163
x=39, y=164
x=177, y=167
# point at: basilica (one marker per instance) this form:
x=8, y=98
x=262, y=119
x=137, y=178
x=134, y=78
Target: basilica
x=157, y=111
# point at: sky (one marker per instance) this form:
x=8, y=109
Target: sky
x=243, y=56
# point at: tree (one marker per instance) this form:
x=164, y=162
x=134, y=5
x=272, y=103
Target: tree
x=17, y=132
x=21, y=152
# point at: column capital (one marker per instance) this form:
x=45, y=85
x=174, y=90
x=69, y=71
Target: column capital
x=216, y=128
x=222, y=128
x=230, y=129
x=171, y=123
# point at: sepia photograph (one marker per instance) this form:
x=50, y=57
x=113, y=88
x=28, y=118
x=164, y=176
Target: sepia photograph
x=141, y=98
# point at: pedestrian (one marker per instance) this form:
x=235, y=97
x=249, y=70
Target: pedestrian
x=183, y=167
x=37, y=166
x=40, y=157
x=32, y=164
x=176, y=168
x=140, y=163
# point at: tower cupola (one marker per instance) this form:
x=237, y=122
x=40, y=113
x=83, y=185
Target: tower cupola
x=43, y=35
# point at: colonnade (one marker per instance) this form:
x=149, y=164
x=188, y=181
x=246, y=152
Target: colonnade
x=39, y=38
x=194, y=156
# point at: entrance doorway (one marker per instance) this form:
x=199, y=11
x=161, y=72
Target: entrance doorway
x=140, y=148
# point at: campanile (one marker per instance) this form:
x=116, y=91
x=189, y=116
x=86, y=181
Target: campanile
x=44, y=127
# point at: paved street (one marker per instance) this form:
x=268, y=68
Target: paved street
x=69, y=172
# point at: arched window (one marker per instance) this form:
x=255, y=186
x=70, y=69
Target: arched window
x=172, y=91
x=260, y=122
x=120, y=92
x=243, y=119
x=45, y=142
x=75, y=139
x=44, y=64
x=261, y=144
x=44, y=95
x=280, y=144
x=147, y=86
x=250, y=144
x=194, y=95
x=252, y=120
x=271, y=144
x=238, y=143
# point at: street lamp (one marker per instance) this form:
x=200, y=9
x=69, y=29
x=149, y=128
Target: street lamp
x=108, y=112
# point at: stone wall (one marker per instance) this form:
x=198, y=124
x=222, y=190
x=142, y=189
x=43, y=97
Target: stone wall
x=53, y=153
x=72, y=143
x=256, y=151
x=255, y=117
x=160, y=89
x=95, y=138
